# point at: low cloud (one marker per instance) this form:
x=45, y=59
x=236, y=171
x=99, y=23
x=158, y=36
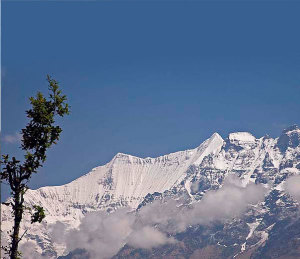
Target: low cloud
x=12, y=139
x=3, y=73
x=292, y=186
x=148, y=237
x=57, y=232
x=29, y=252
x=230, y=201
x=102, y=235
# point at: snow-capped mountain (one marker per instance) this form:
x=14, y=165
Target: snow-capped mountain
x=129, y=181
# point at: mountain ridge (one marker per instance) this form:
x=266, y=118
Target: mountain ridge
x=131, y=181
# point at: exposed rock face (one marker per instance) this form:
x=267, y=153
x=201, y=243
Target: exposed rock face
x=129, y=181
x=290, y=138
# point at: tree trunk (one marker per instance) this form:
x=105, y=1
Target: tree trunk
x=18, y=213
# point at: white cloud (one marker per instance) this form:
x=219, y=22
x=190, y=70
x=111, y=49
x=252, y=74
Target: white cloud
x=12, y=139
x=57, y=232
x=102, y=235
x=3, y=72
x=29, y=252
x=292, y=186
x=148, y=237
x=231, y=200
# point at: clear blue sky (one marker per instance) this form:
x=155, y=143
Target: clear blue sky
x=149, y=78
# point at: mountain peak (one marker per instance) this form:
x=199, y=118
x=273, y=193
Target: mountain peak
x=241, y=137
x=292, y=129
x=120, y=154
x=124, y=158
x=290, y=137
x=216, y=135
x=131, y=181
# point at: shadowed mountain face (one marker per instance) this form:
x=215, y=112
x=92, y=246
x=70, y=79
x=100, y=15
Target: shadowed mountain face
x=290, y=138
x=211, y=218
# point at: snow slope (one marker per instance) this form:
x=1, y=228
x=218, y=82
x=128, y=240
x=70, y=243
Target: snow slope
x=126, y=180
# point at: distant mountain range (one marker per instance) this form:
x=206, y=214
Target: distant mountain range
x=228, y=198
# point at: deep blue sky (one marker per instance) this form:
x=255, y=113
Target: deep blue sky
x=149, y=78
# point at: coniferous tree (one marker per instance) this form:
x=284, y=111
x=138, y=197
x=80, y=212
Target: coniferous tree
x=38, y=136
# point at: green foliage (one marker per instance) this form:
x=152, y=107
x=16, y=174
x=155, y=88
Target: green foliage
x=38, y=215
x=37, y=137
